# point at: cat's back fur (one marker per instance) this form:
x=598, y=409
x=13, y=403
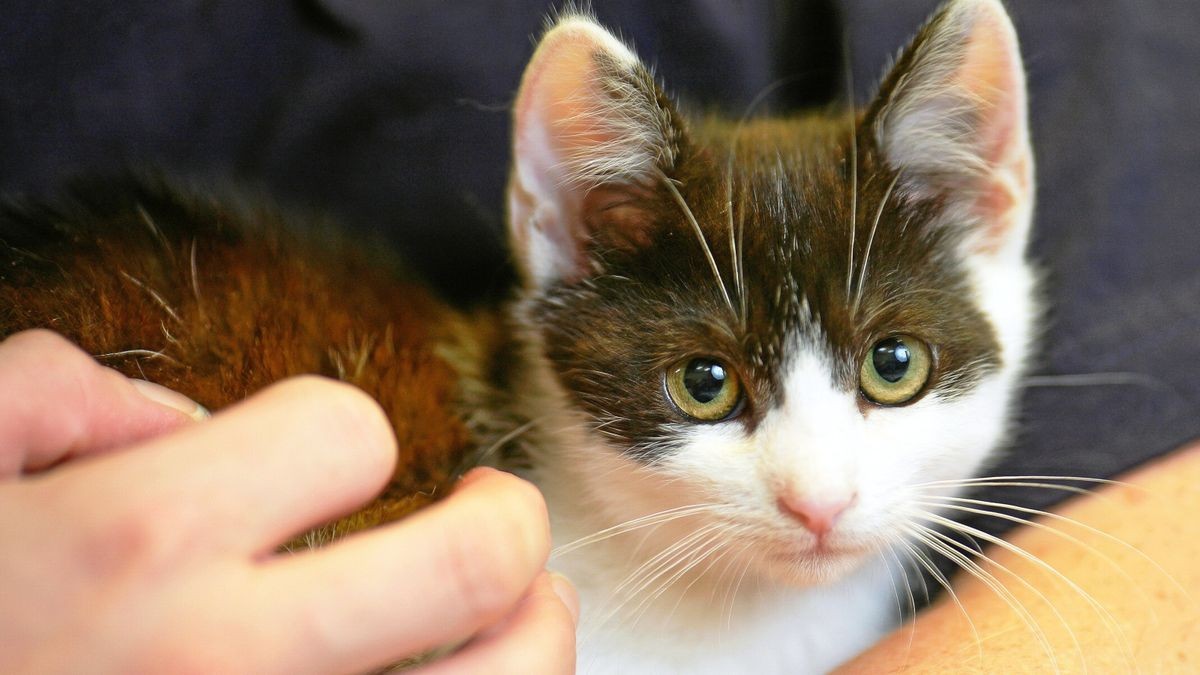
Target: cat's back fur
x=218, y=297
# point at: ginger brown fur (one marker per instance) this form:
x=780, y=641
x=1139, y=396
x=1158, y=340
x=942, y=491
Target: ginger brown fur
x=219, y=301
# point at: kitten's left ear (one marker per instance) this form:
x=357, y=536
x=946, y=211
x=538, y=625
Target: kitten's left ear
x=593, y=136
x=951, y=118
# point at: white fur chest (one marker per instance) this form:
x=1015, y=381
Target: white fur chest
x=753, y=626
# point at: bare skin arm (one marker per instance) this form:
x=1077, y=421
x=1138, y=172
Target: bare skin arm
x=1144, y=615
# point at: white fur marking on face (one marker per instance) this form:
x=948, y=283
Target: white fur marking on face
x=820, y=447
x=810, y=439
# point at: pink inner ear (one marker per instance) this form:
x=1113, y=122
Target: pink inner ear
x=552, y=129
x=553, y=94
x=566, y=122
x=620, y=217
x=991, y=75
x=585, y=117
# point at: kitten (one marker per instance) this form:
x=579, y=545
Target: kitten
x=740, y=357
x=762, y=342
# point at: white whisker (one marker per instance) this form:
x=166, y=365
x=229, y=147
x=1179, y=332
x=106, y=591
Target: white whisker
x=153, y=294
x=739, y=273
x=849, y=73
x=927, y=536
x=974, y=481
x=691, y=217
x=477, y=458
x=853, y=200
x=155, y=231
x=1060, y=518
x=925, y=562
x=734, y=256
x=698, y=555
x=195, y=277
x=703, y=573
x=1102, y=612
x=646, y=573
x=902, y=570
x=862, y=273
x=150, y=354
x=741, y=266
x=631, y=525
x=1095, y=380
x=730, y=599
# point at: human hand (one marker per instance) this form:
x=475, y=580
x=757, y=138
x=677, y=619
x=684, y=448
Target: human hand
x=138, y=540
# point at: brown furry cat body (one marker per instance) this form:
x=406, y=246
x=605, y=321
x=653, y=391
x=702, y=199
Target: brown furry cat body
x=220, y=298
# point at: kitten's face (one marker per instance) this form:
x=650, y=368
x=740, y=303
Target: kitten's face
x=802, y=323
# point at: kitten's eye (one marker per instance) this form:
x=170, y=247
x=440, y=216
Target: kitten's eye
x=704, y=389
x=895, y=370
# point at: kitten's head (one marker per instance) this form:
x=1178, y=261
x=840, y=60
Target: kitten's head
x=798, y=321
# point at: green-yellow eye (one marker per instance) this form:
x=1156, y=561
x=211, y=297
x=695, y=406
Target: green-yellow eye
x=704, y=388
x=895, y=370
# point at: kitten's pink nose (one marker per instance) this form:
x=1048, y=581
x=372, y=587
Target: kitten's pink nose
x=817, y=516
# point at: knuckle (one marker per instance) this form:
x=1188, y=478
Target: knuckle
x=532, y=502
x=55, y=356
x=147, y=540
x=52, y=350
x=558, y=642
x=527, y=523
x=64, y=367
x=39, y=339
x=491, y=564
x=555, y=648
x=484, y=576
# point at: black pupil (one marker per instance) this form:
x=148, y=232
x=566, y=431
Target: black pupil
x=704, y=379
x=891, y=358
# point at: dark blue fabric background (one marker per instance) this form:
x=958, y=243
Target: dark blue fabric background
x=392, y=116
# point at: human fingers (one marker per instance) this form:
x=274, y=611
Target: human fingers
x=297, y=454
x=433, y=579
x=538, y=638
x=56, y=403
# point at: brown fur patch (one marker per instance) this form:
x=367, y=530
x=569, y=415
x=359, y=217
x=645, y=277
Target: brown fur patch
x=218, y=302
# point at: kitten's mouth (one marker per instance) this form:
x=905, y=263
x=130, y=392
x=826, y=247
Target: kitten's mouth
x=821, y=551
x=815, y=563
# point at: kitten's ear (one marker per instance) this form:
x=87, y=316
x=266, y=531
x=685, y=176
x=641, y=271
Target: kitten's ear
x=592, y=136
x=951, y=118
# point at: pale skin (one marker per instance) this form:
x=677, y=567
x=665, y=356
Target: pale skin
x=140, y=537
x=1136, y=555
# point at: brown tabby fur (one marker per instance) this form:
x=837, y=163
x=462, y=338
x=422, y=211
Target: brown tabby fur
x=218, y=302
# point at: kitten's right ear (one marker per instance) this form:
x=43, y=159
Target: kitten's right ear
x=592, y=135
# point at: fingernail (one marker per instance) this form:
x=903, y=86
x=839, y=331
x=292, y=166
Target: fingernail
x=566, y=592
x=170, y=398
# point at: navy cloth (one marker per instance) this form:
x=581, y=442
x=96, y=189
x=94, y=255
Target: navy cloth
x=392, y=116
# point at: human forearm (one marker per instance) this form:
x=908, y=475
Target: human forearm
x=1124, y=608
